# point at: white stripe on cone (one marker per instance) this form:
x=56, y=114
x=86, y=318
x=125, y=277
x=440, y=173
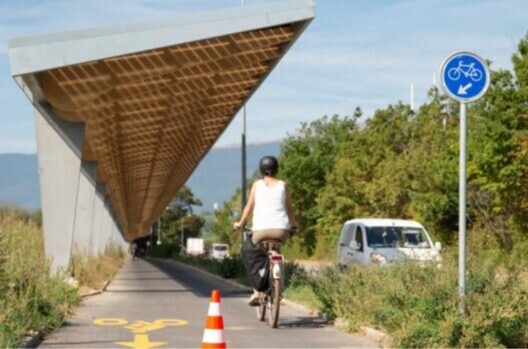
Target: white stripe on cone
x=213, y=336
x=214, y=309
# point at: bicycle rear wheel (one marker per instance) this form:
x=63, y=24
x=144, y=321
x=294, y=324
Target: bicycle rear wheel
x=274, y=302
x=261, y=309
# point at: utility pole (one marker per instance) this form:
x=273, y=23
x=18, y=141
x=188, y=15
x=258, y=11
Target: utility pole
x=412, y=96
x=159, y=232
x=181, y=233
x=244, y=195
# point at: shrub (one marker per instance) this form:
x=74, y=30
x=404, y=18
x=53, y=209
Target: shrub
x=229, y=267
x=417, y=305
x=93, y=271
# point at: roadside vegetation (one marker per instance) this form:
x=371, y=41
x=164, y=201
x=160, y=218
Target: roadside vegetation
x=177, y=220
x=401, y=163
x=30, y=299
x=93, y=272
x=229, y=268
x=417, y=305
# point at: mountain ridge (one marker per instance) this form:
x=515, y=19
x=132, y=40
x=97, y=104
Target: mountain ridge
x=214, y=180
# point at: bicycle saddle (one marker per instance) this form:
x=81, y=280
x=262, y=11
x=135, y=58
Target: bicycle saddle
x=270, y=243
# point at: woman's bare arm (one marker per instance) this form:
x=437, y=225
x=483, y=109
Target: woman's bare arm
x=247, y=210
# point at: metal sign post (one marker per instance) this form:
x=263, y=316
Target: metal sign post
x=465, y=78
x=462, y=209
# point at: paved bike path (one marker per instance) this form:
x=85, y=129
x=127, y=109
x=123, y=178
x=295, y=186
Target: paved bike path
x=155, y=303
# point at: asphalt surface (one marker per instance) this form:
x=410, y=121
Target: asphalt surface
x=155, y=303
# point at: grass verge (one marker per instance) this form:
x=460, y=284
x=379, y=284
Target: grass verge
x=417, y=305
x=228, y=268
x=92, y=272
x=30, y=299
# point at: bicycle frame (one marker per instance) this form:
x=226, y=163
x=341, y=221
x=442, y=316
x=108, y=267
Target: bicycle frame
x=270, y=299
x=469, y=68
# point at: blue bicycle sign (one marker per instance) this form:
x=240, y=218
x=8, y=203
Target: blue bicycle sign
x=465, y=76
x=468, y=70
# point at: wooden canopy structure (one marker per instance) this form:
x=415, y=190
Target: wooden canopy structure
x=151, y=115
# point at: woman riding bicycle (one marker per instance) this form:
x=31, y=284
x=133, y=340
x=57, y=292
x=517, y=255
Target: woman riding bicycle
x=273, y=215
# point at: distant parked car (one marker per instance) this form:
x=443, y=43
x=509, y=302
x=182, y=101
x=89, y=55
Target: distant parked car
x=382, y=241
x=219, y=251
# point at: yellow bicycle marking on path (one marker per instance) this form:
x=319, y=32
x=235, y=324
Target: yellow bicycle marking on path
x=143, y=327
x=141, y=341
x=140, y=330
x=110, y=322
x=171, y=322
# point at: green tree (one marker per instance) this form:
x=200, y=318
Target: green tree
x=306, y=159
x=498, y=164
x=177, y=218
x=432, y=167
x=223, y=220
x=369, y=172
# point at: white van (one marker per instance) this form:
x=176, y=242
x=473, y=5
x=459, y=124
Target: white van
x=219, y=251
x=381, y=241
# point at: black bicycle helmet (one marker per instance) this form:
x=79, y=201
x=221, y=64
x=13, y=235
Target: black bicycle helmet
x=269, y=166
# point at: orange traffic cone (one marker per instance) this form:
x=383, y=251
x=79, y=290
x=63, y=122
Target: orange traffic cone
x=213, y=336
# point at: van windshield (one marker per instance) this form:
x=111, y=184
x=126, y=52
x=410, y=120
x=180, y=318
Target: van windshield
x=384, y=237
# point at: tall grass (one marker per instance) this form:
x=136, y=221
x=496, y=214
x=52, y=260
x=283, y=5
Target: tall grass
x=417, y=305
x=93, y=271
x=30, y=299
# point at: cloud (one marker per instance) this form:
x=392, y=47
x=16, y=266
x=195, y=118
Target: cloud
x=362, y=53
x=16, y=145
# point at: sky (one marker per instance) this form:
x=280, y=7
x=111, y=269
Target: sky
x=354, y=53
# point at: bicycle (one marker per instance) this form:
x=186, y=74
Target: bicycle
x=270, y=300
x=468, y=70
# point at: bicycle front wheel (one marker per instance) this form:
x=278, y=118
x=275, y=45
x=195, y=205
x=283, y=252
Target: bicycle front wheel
x=274, y=302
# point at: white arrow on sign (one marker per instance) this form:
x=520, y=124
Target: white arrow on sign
x=462, y=90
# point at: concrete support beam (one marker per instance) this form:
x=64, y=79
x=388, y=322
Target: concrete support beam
x=59, y=144
x=76, y=212
x=106, y=228
x=98, y=218
x=82, y=228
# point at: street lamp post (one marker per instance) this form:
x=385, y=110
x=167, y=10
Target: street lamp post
x=243, y=201
x=181, y=237
x=159, y=232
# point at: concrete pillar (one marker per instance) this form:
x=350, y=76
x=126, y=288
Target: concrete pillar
x=98, y=214
x=82, y=228
x=106, y=227
x=59, y=146
x=77, y=214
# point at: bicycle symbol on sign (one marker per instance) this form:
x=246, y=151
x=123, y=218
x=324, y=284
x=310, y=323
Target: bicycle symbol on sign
x=468, y=70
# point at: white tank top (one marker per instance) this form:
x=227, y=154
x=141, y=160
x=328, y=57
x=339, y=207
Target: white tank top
x=270, y=206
